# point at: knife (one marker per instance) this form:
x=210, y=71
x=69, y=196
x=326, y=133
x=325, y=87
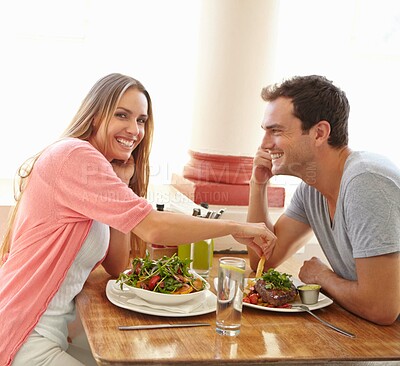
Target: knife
x=157, y=326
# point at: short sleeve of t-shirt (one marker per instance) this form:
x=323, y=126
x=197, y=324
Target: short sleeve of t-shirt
x=296, y=209
x=371, y=214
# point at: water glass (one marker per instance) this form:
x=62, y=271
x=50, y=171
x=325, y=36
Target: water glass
x=230, y=295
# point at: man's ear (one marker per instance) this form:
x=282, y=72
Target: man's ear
x=322, y=132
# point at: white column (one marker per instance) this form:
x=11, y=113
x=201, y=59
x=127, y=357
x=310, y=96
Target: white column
x=236, y=60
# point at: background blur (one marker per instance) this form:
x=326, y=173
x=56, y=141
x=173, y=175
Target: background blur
x=54, y=50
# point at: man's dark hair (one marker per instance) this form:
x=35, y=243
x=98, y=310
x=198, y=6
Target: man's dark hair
x=314, y=99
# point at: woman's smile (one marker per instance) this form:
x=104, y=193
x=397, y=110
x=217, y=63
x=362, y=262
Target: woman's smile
x=125, y=142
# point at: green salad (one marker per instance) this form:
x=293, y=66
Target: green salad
x=277, y=280
x=168, y=275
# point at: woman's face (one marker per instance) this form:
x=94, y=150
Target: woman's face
x=126, y=128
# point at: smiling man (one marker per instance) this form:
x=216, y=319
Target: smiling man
x=349, y=199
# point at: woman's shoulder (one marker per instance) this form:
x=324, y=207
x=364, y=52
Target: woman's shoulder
x=69, y=152
x=67, y=145
x=71, y=148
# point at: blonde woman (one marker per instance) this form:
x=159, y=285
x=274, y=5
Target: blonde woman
x=79, y=201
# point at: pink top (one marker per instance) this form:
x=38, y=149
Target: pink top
x=71, y=185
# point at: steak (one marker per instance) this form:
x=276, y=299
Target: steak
x=276, y=297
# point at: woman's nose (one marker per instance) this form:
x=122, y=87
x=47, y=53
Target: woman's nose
x=133, y=128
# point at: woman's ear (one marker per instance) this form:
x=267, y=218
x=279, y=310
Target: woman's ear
x=322, y=132
x=95, y=122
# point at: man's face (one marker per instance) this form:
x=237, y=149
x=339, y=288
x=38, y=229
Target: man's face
x=291, y=148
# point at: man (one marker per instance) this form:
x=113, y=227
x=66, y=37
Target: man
x=349, y=199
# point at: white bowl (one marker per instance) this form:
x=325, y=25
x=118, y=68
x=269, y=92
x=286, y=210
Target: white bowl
x=168, y=299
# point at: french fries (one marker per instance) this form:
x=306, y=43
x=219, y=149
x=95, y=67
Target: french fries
x=260, y=267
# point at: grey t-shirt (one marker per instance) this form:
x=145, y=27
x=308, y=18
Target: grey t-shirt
x=367, y=216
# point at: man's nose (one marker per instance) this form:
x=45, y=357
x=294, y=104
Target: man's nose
x=266, y=142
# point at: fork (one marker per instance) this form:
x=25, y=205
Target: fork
x=306, y=308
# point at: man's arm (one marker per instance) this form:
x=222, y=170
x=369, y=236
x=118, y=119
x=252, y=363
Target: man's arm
x=375, y=295
x=291, y=234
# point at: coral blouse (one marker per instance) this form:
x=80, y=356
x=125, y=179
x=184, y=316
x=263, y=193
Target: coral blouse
x=71, y=185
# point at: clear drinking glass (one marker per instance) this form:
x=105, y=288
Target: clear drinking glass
x=230, y=295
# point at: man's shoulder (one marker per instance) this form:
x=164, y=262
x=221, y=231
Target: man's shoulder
x=365, y=163
x=366, y=159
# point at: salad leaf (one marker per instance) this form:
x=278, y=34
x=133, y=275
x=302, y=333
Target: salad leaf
x=170, y=273
x=277, y=280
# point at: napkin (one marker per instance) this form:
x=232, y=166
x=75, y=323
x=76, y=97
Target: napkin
x=185, y=308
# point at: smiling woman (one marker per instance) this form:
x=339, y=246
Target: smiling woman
x=125, y=130
x=81, y=203
x=114, y=124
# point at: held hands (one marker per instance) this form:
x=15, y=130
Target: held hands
x=262, y=166
x=248, y=234
x=124, y=169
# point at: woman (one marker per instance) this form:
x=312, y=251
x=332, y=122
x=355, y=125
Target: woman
x=79, y=200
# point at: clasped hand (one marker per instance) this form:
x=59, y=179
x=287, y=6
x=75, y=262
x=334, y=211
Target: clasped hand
x=124, y=169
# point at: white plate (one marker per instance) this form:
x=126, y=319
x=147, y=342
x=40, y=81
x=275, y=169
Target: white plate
x=127, y=301
x=323, y=300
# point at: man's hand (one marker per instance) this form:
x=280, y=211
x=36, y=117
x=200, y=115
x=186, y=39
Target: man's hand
x=262, y=166
x=312, y=269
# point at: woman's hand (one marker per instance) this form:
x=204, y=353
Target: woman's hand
x=124, y=169
x=258, y=237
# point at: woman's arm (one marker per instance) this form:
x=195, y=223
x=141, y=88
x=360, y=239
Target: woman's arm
x=174, y=229
x=118, y=255
x=117, y=258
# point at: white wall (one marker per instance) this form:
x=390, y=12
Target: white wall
x=54, y=50
x=355, y=43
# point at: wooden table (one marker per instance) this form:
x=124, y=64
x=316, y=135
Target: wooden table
x=265, y=338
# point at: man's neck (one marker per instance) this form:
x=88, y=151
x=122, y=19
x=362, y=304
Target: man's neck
x=329, y=173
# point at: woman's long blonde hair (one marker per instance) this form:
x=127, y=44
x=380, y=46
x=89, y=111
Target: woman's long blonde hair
x=100, y=103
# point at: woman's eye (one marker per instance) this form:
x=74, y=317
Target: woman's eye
x=121, y=115
x=142, y=120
